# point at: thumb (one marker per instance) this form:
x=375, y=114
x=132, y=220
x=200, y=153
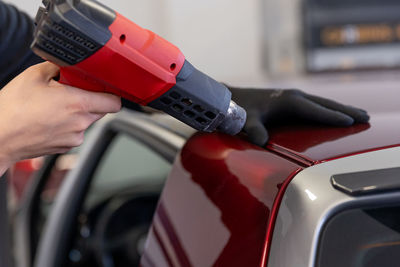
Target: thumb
x=48, y=70
x=256, y=130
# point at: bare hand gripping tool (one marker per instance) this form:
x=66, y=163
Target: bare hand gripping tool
x=98, y=49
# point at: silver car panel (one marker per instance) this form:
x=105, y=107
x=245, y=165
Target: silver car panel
x=310, y=200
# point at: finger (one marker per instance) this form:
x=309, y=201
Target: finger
x=73, y=139
x=59, y=150
x=97, y=116
x=48, y=70
x=306, y=109
x=82, y=121
x=256, y=130
x=96, y=102
x=357, y=114
x=94, y=117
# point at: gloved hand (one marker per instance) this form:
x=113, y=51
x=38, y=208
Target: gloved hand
x=265, y=106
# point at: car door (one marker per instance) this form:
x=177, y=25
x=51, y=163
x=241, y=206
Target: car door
x=121, y=168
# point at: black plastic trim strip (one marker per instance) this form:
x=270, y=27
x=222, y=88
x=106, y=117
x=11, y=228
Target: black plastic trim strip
x=367, y=182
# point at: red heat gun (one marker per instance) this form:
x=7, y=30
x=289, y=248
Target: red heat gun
x=98, y=49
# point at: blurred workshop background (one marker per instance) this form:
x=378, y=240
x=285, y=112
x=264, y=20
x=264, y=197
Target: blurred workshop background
x=314, y=45
x=346, y=50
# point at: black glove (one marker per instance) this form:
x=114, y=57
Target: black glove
x=267, y=106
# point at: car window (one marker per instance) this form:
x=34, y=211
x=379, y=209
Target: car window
x=125, y=164
x=362, y=238
x=117, y=210
x=126, y=168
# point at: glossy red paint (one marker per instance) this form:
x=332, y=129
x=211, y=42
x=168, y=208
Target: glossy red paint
x=311, y=144
x=219, y=204
x=216, y=205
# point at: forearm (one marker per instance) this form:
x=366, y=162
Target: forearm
x=16, y=31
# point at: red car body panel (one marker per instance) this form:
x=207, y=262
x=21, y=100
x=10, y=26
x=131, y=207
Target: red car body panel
x=212, y=210
x=219, y=204
x=20, y=174
x=315, y=143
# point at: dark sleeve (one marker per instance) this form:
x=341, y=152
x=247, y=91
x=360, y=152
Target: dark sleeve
x=16, y=31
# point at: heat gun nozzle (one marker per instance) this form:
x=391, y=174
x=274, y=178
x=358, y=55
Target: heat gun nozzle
x=234, y=120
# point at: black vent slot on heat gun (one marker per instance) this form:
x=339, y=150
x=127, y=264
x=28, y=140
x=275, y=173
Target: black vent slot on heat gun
x=69, y=31
x=63, y=43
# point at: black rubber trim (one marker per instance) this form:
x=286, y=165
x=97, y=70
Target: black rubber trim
x=367, y=182
x=26, y=219
x=5, y=251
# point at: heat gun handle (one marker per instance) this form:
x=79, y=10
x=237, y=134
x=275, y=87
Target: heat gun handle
x=99, y=49
x=78, y=79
